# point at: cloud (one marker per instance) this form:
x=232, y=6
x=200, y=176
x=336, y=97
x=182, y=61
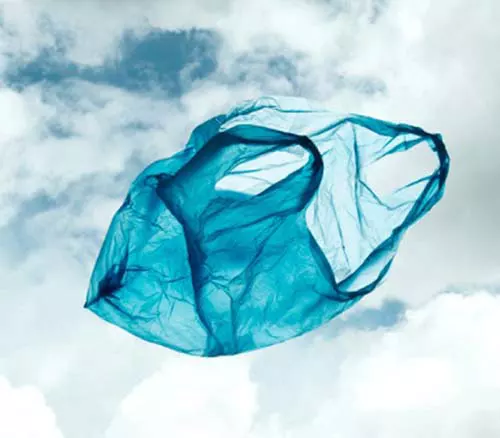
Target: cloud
x=54, y=136
x=433, y=374
x=92, y=36
x=190, y=397
x=70, y=151
x=25, y=413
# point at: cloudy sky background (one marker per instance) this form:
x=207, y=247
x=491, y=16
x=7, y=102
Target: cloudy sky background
x=91, y=92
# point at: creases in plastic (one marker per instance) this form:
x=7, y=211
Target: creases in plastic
x=211, y=268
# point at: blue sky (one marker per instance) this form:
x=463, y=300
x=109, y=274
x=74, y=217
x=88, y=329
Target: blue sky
x=154, y=62
x=92, y=92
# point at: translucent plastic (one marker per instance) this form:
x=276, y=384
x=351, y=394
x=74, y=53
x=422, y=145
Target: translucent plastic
x=263, y=228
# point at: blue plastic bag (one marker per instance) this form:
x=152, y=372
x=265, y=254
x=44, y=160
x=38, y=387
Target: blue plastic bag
x=263, y=228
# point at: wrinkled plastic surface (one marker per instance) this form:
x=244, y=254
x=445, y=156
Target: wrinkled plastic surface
x=263, y=228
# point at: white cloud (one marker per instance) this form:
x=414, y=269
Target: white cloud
x=25, y=414
x=434, y=374
x=190, y=397
x=322, y=30
x=47, y=251
x=99, y=138
x=92, y=35
x=15, y=113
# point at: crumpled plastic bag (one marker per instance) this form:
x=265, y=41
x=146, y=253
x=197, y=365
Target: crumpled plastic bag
x=264, y=227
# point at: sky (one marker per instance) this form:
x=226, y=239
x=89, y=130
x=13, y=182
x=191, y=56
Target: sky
x=91, y=92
